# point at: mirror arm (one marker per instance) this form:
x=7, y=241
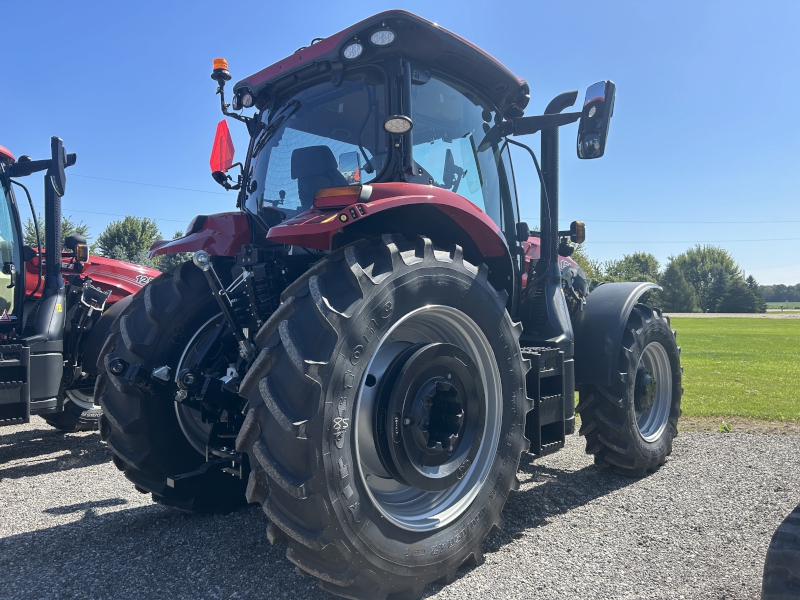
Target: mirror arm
x=528, y=125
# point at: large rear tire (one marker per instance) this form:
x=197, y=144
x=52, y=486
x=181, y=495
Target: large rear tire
x=629, y=426
x=371, y=501
x=145, y=431
x=782, y=567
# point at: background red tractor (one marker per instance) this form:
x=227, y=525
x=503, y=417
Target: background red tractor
x=370, y=342
x=51, y=329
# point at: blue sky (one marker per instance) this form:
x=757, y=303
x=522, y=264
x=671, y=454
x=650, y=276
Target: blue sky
x=704, y=145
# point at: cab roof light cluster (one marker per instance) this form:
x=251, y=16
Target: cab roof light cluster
x=353, y=51
x=381, y=38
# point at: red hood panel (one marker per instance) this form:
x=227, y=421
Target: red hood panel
x=121, y=278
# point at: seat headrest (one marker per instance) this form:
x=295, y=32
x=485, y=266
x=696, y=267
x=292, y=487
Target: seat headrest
x=313, y=160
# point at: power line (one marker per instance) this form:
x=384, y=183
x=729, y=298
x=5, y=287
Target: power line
x=696, y=241
x=167, y=187
x=92, y=212
x=683, y=222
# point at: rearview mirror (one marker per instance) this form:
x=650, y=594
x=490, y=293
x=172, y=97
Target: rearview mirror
x=350, y=166
x=598, y=108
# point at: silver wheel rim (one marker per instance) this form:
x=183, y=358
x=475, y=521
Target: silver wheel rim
x=407, y=507
x=651, y=423
x=84, y=400
x=196, y=432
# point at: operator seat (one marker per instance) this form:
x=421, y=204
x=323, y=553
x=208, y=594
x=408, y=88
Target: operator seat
x=314, y=168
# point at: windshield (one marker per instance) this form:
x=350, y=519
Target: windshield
x=323, y=136
x=449, y=125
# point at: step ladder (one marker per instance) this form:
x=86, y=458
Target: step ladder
x=15, y=402
x=545, y=385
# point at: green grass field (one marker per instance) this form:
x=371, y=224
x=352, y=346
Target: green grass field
x=788, y=307
x=741, y=367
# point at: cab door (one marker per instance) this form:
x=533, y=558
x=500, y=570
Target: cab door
x=12, y=275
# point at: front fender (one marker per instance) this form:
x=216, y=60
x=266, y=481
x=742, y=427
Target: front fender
x=599, y=330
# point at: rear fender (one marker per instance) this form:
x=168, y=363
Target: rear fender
x=599, y=330
x=410, y=210
x=221, y=234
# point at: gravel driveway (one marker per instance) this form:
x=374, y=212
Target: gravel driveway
x=71, y=526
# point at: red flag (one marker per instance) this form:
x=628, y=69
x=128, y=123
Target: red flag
x=222, y=152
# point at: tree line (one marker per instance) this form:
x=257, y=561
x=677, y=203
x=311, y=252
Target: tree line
x=128, y=239
x=702, y=279
x=781, y=293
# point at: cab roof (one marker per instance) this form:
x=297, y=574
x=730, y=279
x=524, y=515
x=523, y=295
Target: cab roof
x=6, y=156
x=423, y=43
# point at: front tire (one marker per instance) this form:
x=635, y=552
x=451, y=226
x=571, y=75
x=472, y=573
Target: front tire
x=629, y=426
x=371, y=501
x=80, y=413
x=781, y=579
x=145, y=431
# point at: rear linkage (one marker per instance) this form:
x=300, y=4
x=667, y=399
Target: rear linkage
x=216, y=397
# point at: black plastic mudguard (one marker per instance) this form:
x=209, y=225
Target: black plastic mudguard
x=599, y=329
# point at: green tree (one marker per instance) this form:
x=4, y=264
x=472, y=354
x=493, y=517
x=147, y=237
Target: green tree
x=678, y=295
x=592, y=268
x=719, y=280
x=707, y=269
x=738, y=298
x=68, y=228
x=170, y=261
x=752, y=284
x=129, y=240
x=639, y=266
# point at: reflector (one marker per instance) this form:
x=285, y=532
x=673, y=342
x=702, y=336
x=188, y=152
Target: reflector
x=222, y=152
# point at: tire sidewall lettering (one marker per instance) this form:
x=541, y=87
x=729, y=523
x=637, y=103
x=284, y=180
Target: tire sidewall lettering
x=406, y=290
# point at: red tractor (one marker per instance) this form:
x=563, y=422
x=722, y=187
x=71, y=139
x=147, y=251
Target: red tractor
x=52, y=327
x=369, y=343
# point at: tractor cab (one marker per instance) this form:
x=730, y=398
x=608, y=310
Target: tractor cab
x=392, y=99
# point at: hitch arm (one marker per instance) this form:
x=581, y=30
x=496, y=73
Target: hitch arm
x=202, y=260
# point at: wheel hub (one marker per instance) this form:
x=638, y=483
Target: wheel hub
x=442, y=417
x=645, y=391
x=430, y=416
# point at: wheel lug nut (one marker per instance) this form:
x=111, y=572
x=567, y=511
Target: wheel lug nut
x=406, y=421
x=449, y=376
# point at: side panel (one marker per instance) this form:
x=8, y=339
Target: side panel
x=599, y=329
x=222, y=234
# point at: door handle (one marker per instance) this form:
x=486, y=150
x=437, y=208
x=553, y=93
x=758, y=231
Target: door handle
x=11, y=270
